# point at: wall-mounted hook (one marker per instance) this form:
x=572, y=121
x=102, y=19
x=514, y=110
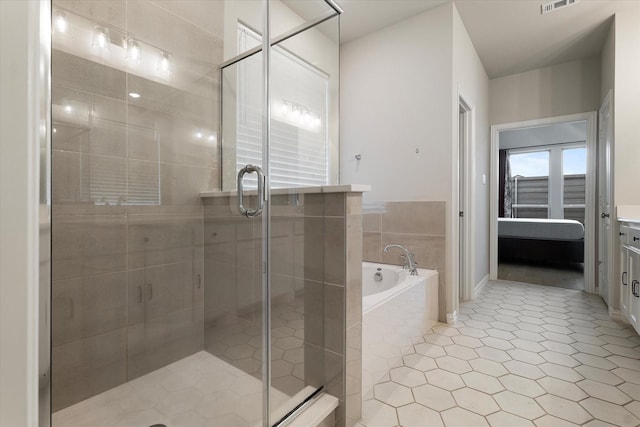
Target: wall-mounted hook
x=358, y=156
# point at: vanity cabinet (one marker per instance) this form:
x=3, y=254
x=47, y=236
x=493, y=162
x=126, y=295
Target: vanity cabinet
x=624, y=271
x=630, y=272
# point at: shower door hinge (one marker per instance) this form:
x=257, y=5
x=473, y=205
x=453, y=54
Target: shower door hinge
x=461, y=214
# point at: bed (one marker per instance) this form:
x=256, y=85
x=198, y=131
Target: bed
x=550, y=240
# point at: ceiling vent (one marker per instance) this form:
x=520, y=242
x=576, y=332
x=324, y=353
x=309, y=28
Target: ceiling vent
x=554, y=5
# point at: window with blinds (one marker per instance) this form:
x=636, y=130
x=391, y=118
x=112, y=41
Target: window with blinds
x=299, y=141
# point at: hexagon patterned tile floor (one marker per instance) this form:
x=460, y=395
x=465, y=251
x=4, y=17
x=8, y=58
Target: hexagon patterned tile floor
x=519, y=355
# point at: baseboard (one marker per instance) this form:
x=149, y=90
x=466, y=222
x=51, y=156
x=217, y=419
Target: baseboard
x=480, y=285
x=617, y=315
x=452, y=317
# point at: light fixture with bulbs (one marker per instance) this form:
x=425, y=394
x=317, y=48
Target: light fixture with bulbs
x=60, y=22
x=134, y=55
x=298, y=115
x=117, y=47
x=164, y=64
x=101, y=39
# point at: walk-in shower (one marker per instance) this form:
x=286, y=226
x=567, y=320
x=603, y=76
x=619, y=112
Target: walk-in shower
x=171, y=285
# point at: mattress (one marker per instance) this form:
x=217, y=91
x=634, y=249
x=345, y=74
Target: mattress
x=542, y=229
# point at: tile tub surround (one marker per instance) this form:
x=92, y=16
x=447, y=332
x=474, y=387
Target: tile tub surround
x=519, y=355
x=127, y=223
x=317, y=269
x=418, y=225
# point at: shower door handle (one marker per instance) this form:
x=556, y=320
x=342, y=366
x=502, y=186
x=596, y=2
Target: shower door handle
x=250, y=213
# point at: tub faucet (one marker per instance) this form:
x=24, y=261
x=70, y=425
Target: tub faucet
x=410, y=263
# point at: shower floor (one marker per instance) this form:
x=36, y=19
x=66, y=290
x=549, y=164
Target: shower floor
x=200, y=390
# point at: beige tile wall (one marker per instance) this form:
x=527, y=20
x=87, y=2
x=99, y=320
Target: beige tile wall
x=419, y=226
x=127, y=218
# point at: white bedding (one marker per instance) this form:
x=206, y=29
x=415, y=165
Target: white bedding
x=543, y=229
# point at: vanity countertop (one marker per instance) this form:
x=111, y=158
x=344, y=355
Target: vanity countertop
x=337, y=188
x=629, y=213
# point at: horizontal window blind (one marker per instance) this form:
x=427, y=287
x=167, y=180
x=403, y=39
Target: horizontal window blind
x=299, y=143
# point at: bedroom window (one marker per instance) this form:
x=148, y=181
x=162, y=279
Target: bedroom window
x=546, y=182
x=529, y=184
x=574, y=170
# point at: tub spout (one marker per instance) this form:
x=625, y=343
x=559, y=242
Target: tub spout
x=410, y=262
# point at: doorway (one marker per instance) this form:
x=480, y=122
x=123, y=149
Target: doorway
x=465, y=201
x=605, y=247
x=542, y=226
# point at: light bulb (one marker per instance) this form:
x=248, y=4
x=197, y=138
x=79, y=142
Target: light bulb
x=134, y=95
x=68, y=108
x=316, y=121
x=284, y=107
x=101, y=39
x=164, y=65
x=60, y=23
x=133, y=51
x=199, y=135
x=212, y=138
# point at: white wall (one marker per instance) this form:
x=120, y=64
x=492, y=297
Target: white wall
x=470, y=79
x=627, y=106
x=395, y=98
x=395, y=111
x=607, y=62
x=399, y=111
x=21, y=128
x=568, y=88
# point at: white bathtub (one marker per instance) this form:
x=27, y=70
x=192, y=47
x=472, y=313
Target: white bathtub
x=396, y=312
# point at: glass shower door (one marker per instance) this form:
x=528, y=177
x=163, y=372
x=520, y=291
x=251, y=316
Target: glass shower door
x=136, y=119
x=274, y=283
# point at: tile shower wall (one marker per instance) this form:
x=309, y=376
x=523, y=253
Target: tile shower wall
x=316, y=293
x=127, y=218
x=419, y=226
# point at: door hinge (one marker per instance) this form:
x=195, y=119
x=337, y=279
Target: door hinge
x=461, y=214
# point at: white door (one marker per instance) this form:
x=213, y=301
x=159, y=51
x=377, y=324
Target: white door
x=604, y=199
x=461, y=201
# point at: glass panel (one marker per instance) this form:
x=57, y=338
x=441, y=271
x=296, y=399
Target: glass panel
x=246, y=12
x=234, y=245
x=307, y=312
x=289, y=15
x=574, y=167
x=139, y=267
x=530, y=184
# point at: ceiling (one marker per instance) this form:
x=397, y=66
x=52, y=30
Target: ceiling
x=510, y=36
x=362, y=17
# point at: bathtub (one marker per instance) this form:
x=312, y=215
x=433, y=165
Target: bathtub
x=397, y=310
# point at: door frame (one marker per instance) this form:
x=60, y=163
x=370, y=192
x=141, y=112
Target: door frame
x=590, y=191
x=465, y=288
x=613, y=295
